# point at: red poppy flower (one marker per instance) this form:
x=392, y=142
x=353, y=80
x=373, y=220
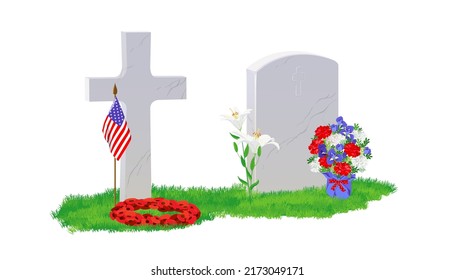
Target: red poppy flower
x=182, y=203
x=171, y=222
x=179, y=218
x=154, y=220
x=140, y=204
x=130, y=201
x=164, y=217
x=113, y=215
x=191, y=220
x=120, y=204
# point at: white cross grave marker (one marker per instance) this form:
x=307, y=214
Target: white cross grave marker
x=137, y=90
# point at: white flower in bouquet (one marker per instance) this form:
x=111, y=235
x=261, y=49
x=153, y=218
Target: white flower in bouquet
x=315, y=166
x=359, y=135
x=335, y=139
x=360, y=162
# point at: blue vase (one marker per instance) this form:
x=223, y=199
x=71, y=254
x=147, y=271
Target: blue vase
x=339, y=187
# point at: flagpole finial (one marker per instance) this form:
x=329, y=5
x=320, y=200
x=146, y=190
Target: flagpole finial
x=114, y=90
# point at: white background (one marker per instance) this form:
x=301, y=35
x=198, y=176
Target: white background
x=396, y=70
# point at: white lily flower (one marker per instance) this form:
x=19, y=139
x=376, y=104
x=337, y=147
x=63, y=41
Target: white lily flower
x=256, y=140
x=236, y=118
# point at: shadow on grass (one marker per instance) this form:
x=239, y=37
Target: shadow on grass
x=91, y=212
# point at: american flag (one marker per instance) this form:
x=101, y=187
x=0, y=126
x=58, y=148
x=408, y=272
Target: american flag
x=116, y=131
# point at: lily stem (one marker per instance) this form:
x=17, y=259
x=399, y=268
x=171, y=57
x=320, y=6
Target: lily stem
x=248, y=180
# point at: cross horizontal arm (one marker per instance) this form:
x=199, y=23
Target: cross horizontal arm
x=99, y=89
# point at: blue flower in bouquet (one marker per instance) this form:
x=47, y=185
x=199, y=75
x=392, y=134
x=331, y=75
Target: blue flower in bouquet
x=333, y=157
x=340, y=120
x=322, y=150
x=367, y=151
x=343, y=128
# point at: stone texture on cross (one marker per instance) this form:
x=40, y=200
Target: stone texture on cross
x=290, y=95
x=137, y=90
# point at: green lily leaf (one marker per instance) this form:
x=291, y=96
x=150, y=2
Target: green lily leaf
x=249, y=174
x=234, y=136
x=242, y=181
x=242, y=159
x=236, y=147
x=254, y=184
x=253, y=164
x=246, y=151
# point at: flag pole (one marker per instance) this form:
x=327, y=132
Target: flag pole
x=114, y=91
x=115, y=181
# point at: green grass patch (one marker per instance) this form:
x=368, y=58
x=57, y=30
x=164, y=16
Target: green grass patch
x=91, y=212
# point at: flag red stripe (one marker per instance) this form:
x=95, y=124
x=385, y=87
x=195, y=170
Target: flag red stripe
x=109, y=129
x=121, y=148
x=106, y=120
x=118, y=143
x=114, y=132
x=124, y=148
x=118, y=135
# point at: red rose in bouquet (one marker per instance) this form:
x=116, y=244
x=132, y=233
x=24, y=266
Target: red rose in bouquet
x=352, y=150
x=342, y=168
x=314, y=145
x=323, y=132
x=323, y=162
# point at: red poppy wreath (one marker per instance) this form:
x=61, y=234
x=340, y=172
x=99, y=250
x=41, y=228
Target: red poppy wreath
x=124, y=212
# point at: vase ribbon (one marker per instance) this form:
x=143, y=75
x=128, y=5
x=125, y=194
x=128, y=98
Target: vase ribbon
x=338, y=183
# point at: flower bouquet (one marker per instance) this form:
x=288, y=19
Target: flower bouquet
x=339, y=151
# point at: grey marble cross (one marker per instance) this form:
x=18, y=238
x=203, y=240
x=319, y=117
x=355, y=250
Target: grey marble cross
x=137, y=90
